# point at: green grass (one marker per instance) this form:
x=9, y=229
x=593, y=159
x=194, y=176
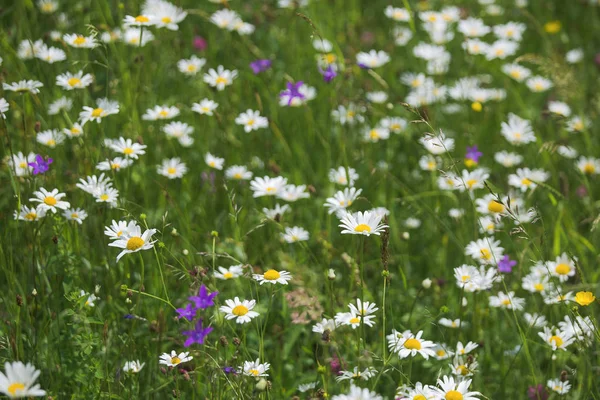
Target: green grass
x=81, y=350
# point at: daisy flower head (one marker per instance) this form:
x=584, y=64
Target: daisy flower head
x=351, y=319
x=92, y=183
x=267, y=186
x=356, y=374
x=180, y=131
x=538, y=84
x=251, y=121
x=30, y=214
x=436, y=145
x=241, y=311
x=117, y=229
x=166, y=15
x=80, y=41
x=172, y=168
x=75, y=130
x=378, y=97
x=508, y=159
x=238, y=173
x=350, y=115
x=362, y=223
x=89, y=298
x=578, y=124
x=472, y=180
x=225, y=19
x=160, y=112
x=558, y=386
x=556, y=338
x=128, y=148
x=4, y=106
x=51, y=54
x=342, y=199
x=397, y=14
x=133, y=367
x=191, y=66
x=358, y=393
x=394, y=124
x=104, y=107
x=508, y=301
x=526, y=179
x=293, y=193
x=23, y=86
x=510, y=31
x=372, y=59
x=376, y=134
x=516, y=71
x=205, y=107
x=50, y=200
x=517, y=130
x=559, y=108
x=501, y=49
x=134, y=240
x=214, y=162
x=132, y=37
x=473, y=27
x=18, y=380
x=485, y=251
x=588, y=165
x=61, y=104
x=563, y=267
x=411, y=345
x=47, y=6
x=295, y=234
x=220, y=78
x=574, y=56
x=272, y=276
x=106, y=194
x=276, y=212
x=339, y=176
x=255, y=368
x=324, y=325
x=402, y=35
x=19, y=164
x=174, y=359
x=463, y=367
x=365, y=309
x=75, y=214
x=139, y=21
x=235, y=271
x=50, y=138
x=451, y=389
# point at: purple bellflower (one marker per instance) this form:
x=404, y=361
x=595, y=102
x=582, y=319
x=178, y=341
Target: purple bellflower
x=40, y=165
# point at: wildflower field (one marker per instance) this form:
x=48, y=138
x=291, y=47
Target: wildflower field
x=300, y=199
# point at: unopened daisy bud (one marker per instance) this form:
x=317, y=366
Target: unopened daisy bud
x=444, y=310
x=331, y=274
x=128, y=300
x=34, y=292
x=553, y=356
x=261, y=385
x=123, y=290
x=405, y=235
x=476, y=106
x=464, y=302
x=174, y=232
x=142, y=216
x=426, y=283
x=389, y=106
x=214, y=234
x=321, y=369
x=185, y=252
x=385, y=273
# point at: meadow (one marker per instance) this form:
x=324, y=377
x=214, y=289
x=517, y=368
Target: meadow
x=300, y=199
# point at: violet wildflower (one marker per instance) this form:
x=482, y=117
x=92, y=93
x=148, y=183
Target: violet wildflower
x=259, y=66
x=197, y=335
x=188, y=312
x=40, y=165
x=506, y=264
x=204, y=299
x=292, y=92
x=472, y=156
x=328, y=74
x=537, y=392
x=229, y=370
x=199, y=43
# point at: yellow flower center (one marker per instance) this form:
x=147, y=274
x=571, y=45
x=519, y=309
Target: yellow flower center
x=354, y=320
x=74, y=215
x=412, y=344
x=142, y=19
x=119, y=233
x=220, y=79
x=166, y=20
x=539, y=287
x=47, y=7
x=471, y=183
x=270, y=189
x=485, y=254
x=526, y=181
x=79, y=40
x=97, y=112
x=135, y=243
x=212, y=164
x=362, y=228
x=74, y=81
x=556, y=340
x=227, y=275
x=191, y=68
x=50, y=200
x=51, y=142
x=419, y=397
x=254, y=372
x=515, y=74
x=271, y=275
x=30, y=216
x=562, y=269
x=373, y=134
x=163, y=113
x=175, y=360
x=250, y=122
x=128, y=150
x=239, y=310
x=506, y=302
x=440, y=353
x=578, y=126
x=115, y=166
x=453, y=395
x=395, y=127
x=23, y=165
x=104, y=197
x=499, y=52
x=350, y=114
x=589, y=168
x=75, y=131
x=15, y=388
x=330, y=58
x=432, y=18
x=465, y=278
x=237, y=176
x=495, y=207
x=171, y=171
x=538, y=86
x=431, y=165
x=463, y=370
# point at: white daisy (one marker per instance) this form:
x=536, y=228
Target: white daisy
x=241, y=311
x=273, y=276
x=50, y=201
